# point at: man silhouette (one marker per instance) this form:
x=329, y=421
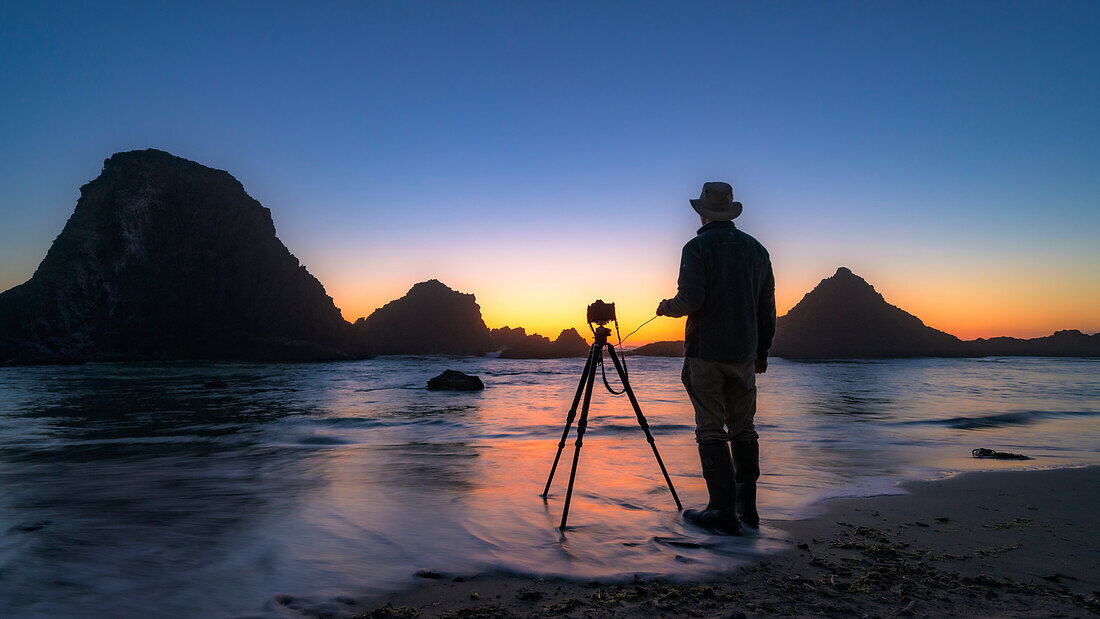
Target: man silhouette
x=727, y=291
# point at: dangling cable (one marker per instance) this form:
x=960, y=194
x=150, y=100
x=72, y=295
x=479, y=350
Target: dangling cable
x=637, y=330
x=622, y=354
x=603, y=372
x=603, y=368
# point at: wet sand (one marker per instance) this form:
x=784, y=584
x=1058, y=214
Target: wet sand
x=1002, y=544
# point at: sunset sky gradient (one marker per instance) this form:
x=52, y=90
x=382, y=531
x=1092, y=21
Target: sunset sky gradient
x=541, y=155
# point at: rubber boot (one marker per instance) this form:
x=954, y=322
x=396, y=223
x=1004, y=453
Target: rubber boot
x=718, y=473
x=746, y=461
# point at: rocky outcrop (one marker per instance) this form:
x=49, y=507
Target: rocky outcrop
x=453, y=380
x=660, y=349
x=430, y=319
x=844, y=318
x=1070, y=343
x=164, y=258
x=518, y=345
x=507, y=337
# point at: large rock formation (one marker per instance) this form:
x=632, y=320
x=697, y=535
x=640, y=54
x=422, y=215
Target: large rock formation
x=430, y=319
x=166, y=258
x=517, y=344
x=845, y=318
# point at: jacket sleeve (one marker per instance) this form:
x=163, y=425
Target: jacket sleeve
x=765, y=314
x=690, y=287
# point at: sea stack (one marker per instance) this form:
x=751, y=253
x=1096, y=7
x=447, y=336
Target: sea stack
x=164, y=258
x=431, y=319
x=519, y=345
x=844, y=317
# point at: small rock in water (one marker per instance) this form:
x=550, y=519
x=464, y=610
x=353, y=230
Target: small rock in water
x=982, y=452
x=429, y=574
x=453, y=380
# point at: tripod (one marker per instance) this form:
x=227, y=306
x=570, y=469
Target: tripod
x=588, y=377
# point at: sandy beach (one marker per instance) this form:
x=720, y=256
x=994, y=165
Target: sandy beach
x=998, y=544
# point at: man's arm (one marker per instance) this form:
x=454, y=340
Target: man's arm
x=690, y=286
x=765, y=315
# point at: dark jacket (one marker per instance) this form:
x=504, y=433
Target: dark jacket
x=727, y=291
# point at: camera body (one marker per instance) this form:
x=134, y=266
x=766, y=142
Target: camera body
x=601, y=313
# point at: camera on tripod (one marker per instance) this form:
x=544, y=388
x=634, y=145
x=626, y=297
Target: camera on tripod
x=601, y=313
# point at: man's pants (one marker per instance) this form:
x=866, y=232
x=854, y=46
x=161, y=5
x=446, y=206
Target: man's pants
x=724, y=397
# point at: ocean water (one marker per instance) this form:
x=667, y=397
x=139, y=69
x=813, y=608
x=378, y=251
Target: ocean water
x=127, y=489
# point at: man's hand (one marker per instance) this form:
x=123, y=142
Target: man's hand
x=761, y=366
x=660, y=308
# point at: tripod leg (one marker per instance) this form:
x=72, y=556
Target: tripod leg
x=569, y=419
x=582, y=426
x=642, y=422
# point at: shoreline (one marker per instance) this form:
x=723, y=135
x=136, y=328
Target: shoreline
x=989, y=543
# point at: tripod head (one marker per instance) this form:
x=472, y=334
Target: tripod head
x=601, y=334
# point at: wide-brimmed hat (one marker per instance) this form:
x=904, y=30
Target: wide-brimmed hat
x=716, y=202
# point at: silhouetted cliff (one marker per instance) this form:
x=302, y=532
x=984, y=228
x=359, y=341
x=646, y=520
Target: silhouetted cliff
x=844, y=317
x=166, y=258
x=430, y=319
x=507, y=337
x=517, y=344
x=1070, y=343
x=673, y=348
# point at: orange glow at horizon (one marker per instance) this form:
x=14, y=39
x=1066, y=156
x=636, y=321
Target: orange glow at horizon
x=540, y=270
x=1024, y=298
x=1031, y=307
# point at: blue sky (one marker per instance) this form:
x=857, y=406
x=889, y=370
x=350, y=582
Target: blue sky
x=939, y=149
